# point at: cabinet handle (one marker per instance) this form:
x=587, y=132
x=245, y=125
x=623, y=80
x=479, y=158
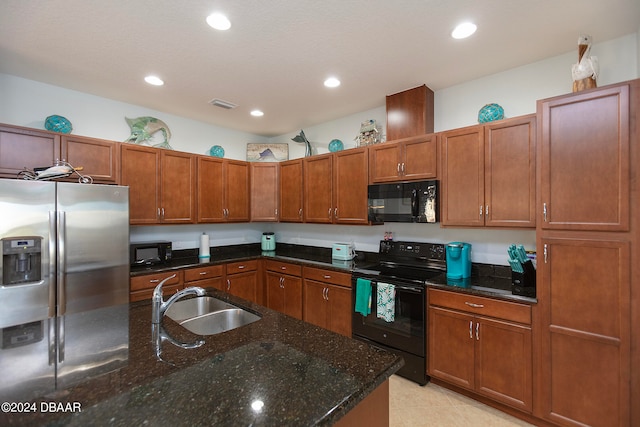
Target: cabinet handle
x=282, y=282
x=398, y=168
x=471, y=329
x=477, y=331
x=203, y=273
x=327, y=276
x=154, y=280
x=546, y=252
x=240, y=267
x=335, y=213
x=544, y=212
x=474, y=305
x=326, y=292
x=329, y=213
x=158, y=214
x=300, y=212
x=402, y=168
x=228, y=285
x=486, y=211
x=162, y=213
x=480, y=211
x=276, y=213
x=282, y=267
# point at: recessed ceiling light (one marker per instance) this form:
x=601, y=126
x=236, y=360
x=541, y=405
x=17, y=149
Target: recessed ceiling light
x=332, y=82
x=463, y=30
x=257, y=113
x=154, y=80
x=218, y=21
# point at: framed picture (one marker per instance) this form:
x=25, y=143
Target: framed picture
x=257, y=152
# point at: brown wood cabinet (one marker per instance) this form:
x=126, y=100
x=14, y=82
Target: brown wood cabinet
x=223, y=191
x=141, y=287
x=161, y=185
x=318, y=188
x=284, y=287
x=483, y=345
x=211, y=276
x=264, y=191
x=335, y=187
x=584, y=160
x=488, y=174
x=410, y=113
x=584, y=292
x=291, y=191
x=22, y=148
x=242, y=280
x=588, y=271
x=408, y=159
x=327, y=299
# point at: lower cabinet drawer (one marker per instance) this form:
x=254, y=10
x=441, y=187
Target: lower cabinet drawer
x=200, y=273
x=150, y=281
x=148, y=293
x=242, y=266
x=506, y=310
x=328, y=276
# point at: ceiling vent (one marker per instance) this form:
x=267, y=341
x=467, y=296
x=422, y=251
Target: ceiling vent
x=222, y=104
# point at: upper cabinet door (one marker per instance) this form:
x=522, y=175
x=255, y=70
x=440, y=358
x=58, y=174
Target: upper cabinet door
x=318, y=188
x=510, y=172
x=584, y=160
x=178, y=187
x=210, y=190
x=22, y=148
x=141, y=172
x=238, y=195
x=350, y=186
x=264, y=191
x=99, y=159
x=384, y=162
x=420, y=157
x=462, y=198
x=291, y=191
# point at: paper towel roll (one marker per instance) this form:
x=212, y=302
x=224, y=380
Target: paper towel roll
x=204, y=246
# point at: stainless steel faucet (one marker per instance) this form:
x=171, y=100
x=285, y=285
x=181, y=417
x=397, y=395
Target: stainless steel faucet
x=159, y=307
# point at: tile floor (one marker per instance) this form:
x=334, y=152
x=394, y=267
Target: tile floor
x=411, y=405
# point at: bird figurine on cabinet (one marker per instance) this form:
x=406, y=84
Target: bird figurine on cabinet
x=585, y=72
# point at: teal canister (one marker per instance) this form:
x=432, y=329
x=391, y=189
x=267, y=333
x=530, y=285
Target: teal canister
x=268, y=241
x=458, y=260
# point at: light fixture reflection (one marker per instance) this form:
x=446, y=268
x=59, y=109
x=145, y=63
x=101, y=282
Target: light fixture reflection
x=154, y=80
x=257, y=113
x=463, y=30
x=218, y=21
x=332, y=82
x=257, y=405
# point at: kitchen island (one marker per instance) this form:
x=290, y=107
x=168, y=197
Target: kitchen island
x=276, y=371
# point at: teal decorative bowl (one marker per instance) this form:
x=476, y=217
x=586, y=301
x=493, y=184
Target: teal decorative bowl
x=490, y=112
x=56, y=123
x=216, y=151
x=335, y=145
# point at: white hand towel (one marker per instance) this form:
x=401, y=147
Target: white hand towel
x=386, y=302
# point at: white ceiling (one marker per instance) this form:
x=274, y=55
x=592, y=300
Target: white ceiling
x=277, y=53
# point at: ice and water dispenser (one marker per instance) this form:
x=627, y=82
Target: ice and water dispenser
x=21, y=260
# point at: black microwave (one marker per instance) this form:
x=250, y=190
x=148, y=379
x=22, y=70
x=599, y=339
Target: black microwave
x=149, y=253
x=404, y=202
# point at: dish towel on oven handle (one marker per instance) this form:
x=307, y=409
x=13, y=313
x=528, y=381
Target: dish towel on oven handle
x=363, y=296
x=386, y=302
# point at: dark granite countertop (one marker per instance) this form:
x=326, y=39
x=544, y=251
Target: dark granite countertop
x=303, y=375
x=486, y=280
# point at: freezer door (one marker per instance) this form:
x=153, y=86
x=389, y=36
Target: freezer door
x=93, y=247
x=27, y=214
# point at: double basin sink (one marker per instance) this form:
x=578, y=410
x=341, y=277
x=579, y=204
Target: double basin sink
x=207, y=315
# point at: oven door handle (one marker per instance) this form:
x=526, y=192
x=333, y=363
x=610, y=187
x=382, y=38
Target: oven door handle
x=412, y=289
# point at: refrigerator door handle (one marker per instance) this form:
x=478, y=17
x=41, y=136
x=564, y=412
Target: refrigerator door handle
x=62, y=263
x=52, y=340
x=60, y=321
x=52, y=264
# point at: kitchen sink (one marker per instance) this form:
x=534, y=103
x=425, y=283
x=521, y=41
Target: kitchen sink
x=208, y=315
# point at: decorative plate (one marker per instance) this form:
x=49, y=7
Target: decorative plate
x=216, y=151
x=57, y=123
x=335, y=145
x=490, y=112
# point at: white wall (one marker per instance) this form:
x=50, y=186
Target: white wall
x=27, y=103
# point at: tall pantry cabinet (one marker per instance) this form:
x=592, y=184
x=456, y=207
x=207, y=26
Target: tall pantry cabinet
x=588, y=233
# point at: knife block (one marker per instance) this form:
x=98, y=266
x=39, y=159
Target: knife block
x=524, y=284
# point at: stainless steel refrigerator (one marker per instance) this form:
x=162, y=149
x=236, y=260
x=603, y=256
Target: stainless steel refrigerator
x=64, y=284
